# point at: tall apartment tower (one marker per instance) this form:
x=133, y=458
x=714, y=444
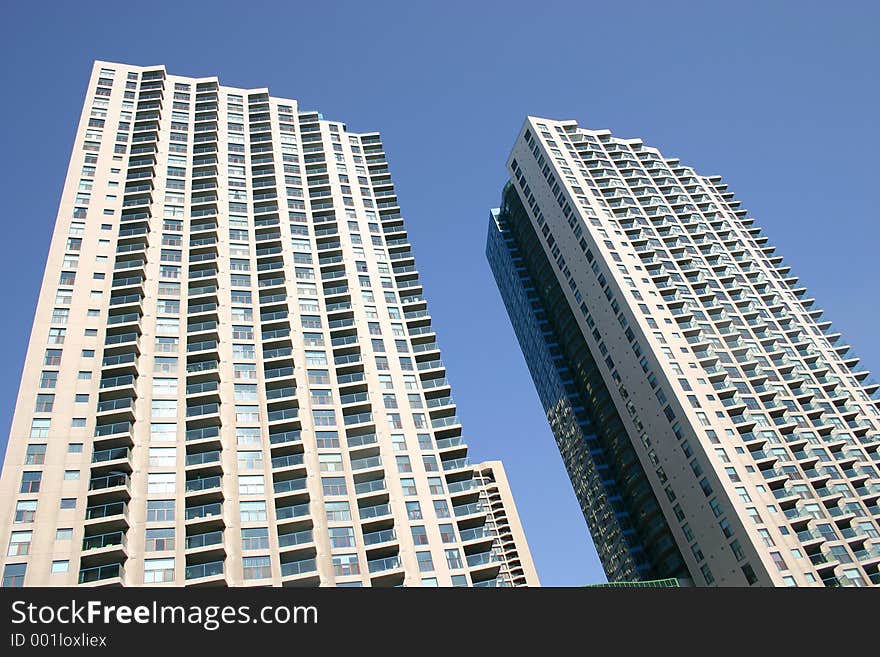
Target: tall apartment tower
x=232, y=377
x=714, y=428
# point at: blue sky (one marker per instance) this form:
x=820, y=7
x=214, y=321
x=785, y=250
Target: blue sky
x=778, y=97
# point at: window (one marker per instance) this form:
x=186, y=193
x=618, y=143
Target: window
x=245, y=414
x=256, y=567
x=162, y=457
x=25, y=511
x=160, y=540
x=64, y=534
x=35, y=454
x=164, y=408
x=409, y=486
x=447, y=533
x=164, y=387
x=707, y=574
x=13, y=575
x=253, y=511
x=251, y=484
x=250, y=460
x=341, y=537
x=255, y=538
x=160, y=510
x=426, y=564
x=346, y=564
x=337, y=511
x=325, y=418
x=157, y=571
x=413, y=511
x=778, y=561
x=330, y=462
x=453, y=558
x=333, y=485
x=160, y=482
x=68, y=503
x=48, y=379
x=19, y=544
x=52, y=358
x=56, y=335
x=327, y=439
x=30, y=482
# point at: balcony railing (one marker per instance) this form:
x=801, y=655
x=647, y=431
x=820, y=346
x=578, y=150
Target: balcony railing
x=372, y=538
x=204, y=540
x=204, y=570
x=204, y=511
x=296, y=538
x=298, y=567
x=109, y=571
x=374, y=511
x=381, y=565
x=103, y=540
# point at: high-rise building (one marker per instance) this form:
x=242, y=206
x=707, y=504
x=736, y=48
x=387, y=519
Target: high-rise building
x=715, y=429
x=232, y=376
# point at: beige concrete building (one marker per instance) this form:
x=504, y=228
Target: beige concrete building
x=715, y=429
x=232, y=377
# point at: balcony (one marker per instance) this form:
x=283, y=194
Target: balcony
x=358, y=418
x=370, y=487
x=366, y=463
x=109, y=517
x=290, y=486
x=442, y=422
x=481, y=533
x=380, y=537
x=303, y=572
x=205, y=517
x=204, y=541
x=205, y=573
x=468, y=509
x=274, y=394
x=456, y=464
x=285, y=438
x=202, y=410
x=361, y=440
x=482, y=559
x=283, y=414
x=295, y=539
x=464, y=486
x=287, y=461
x=115, y=457
x=108, y=489
x=373, y=512
x=291, y=512
x=385, y=564
x=107, y=575
x=207, y=434
x=203, y=484
x=202, y=458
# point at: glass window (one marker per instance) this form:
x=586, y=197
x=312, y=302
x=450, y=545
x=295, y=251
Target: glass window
x=160, y=510
x=157, y=571
x=160, y=540
x=19, y=544
x=30, y=482
x=256, y=567
x=255, y=538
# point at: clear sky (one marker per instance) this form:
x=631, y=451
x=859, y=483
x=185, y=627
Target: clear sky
x=780, y=98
